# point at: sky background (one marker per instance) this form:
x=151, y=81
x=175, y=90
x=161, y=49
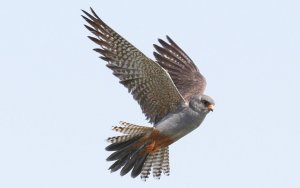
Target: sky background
x=58, y=101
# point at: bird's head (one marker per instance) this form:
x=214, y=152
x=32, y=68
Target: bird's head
x=202, y=103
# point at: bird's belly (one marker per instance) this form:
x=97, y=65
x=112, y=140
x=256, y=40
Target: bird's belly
x=180, y=124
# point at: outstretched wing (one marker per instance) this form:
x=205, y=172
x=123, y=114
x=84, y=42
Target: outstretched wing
x=146, y=80
x=181, y=68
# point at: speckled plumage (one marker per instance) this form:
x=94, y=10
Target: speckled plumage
x=141, y=75
x=169, y=91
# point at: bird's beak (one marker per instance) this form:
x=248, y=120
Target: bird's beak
x=211, y=107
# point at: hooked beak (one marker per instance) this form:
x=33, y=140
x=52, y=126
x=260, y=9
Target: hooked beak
x=211, y=107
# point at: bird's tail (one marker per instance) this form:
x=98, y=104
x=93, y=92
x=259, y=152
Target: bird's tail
x=132, y=151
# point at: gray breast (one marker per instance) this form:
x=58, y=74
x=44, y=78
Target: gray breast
x=176, y=125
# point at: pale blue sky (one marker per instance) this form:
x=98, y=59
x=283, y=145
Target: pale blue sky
x=58, y=101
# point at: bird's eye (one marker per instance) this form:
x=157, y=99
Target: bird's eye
x=205, y=103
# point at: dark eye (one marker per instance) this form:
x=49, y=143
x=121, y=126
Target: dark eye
x=205, y=103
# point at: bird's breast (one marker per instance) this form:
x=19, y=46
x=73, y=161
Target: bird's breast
x=176, y=125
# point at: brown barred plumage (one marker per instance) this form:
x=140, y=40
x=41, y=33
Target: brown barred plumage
x=165, y=163
x=128, y=128
x=157, y=164
x=143, y=77
x=157, y=161
x=184, y=73
x=130, y=131
x=147, y=167
x=118, y=139
x=168, y=90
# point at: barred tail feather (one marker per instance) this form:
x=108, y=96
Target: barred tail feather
x=119, y=139
x=165, y=162
x=147, y=167
x=130, y=152
x=130, y=129
x=157, y=164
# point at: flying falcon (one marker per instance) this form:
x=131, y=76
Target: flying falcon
x=169, y=91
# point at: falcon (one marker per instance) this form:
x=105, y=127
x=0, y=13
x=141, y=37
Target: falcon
x=169, y=91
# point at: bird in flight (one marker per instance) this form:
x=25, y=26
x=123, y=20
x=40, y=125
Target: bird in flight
x=169, y=91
